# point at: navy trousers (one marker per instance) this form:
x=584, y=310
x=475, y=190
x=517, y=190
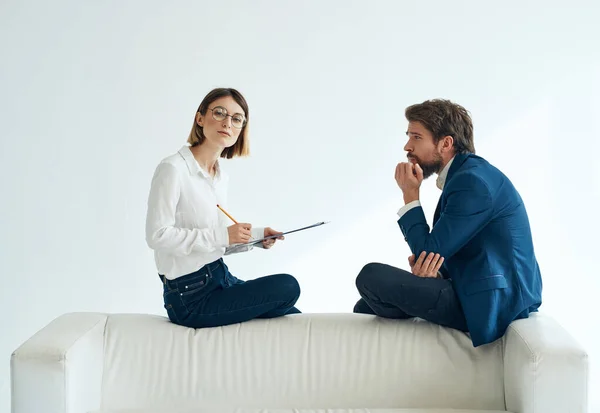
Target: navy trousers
x=391, y=292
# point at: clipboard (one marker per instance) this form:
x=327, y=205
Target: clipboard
x=253, y=242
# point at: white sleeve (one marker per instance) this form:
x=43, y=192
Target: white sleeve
x=161, y=233
x=408, y=207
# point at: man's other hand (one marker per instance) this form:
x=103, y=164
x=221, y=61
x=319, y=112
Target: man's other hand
x=427, y=265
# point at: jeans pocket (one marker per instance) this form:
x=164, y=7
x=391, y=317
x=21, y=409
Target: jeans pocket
x=193, y=291
x=193, y=285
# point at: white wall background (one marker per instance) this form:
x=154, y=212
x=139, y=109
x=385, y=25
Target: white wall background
x=94, y=94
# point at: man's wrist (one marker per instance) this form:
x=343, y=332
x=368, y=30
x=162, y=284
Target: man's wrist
x=411, y=196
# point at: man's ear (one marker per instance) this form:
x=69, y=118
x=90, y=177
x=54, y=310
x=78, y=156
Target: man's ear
x=199, y=119
x=447, y=143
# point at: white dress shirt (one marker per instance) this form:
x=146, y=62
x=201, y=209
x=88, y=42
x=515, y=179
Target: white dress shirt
x=184, y=227
x=440, y=182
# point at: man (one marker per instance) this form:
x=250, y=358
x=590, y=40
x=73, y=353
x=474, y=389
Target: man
x=480, y=241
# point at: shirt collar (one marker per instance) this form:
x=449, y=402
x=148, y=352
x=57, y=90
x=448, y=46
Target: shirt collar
x=441, y=179
x=193, y=165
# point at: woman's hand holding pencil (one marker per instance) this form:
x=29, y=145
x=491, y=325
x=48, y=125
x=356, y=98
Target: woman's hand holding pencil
x=242, y=233
x=239, y=233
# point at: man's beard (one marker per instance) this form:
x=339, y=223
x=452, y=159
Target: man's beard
x=429, y=168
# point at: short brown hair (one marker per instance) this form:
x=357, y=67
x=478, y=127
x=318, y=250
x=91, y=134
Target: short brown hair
x=242, y=145
x=442, y=118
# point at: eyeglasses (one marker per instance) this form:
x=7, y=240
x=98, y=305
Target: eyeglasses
x=219, y=113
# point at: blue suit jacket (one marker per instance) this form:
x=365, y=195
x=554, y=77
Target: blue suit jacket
x=481, y=229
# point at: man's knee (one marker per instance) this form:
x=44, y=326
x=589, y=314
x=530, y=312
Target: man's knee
x=368, y=275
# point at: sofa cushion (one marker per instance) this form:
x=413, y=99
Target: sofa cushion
x=303, y=360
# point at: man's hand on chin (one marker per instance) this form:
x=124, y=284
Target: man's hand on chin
x=409, y=177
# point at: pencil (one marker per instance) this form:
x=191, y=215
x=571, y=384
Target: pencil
x=230, y=217
x=225, y=212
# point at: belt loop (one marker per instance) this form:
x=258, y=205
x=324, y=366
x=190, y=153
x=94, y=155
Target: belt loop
x=209, y=270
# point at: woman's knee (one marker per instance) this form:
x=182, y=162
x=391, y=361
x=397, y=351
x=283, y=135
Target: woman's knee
x=288, y=284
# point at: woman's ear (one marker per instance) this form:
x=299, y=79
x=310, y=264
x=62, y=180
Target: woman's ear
x=199, y=119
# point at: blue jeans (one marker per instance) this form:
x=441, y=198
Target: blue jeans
x=212, y=297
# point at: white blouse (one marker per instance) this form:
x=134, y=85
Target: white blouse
x=184, y=227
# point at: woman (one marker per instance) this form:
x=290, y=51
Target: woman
x=190, y=234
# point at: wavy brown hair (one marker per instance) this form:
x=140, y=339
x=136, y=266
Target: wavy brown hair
x=445, y=118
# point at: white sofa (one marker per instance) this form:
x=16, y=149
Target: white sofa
x=88, y=362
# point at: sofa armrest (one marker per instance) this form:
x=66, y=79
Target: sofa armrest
x=545, y=369
x=59, y=369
